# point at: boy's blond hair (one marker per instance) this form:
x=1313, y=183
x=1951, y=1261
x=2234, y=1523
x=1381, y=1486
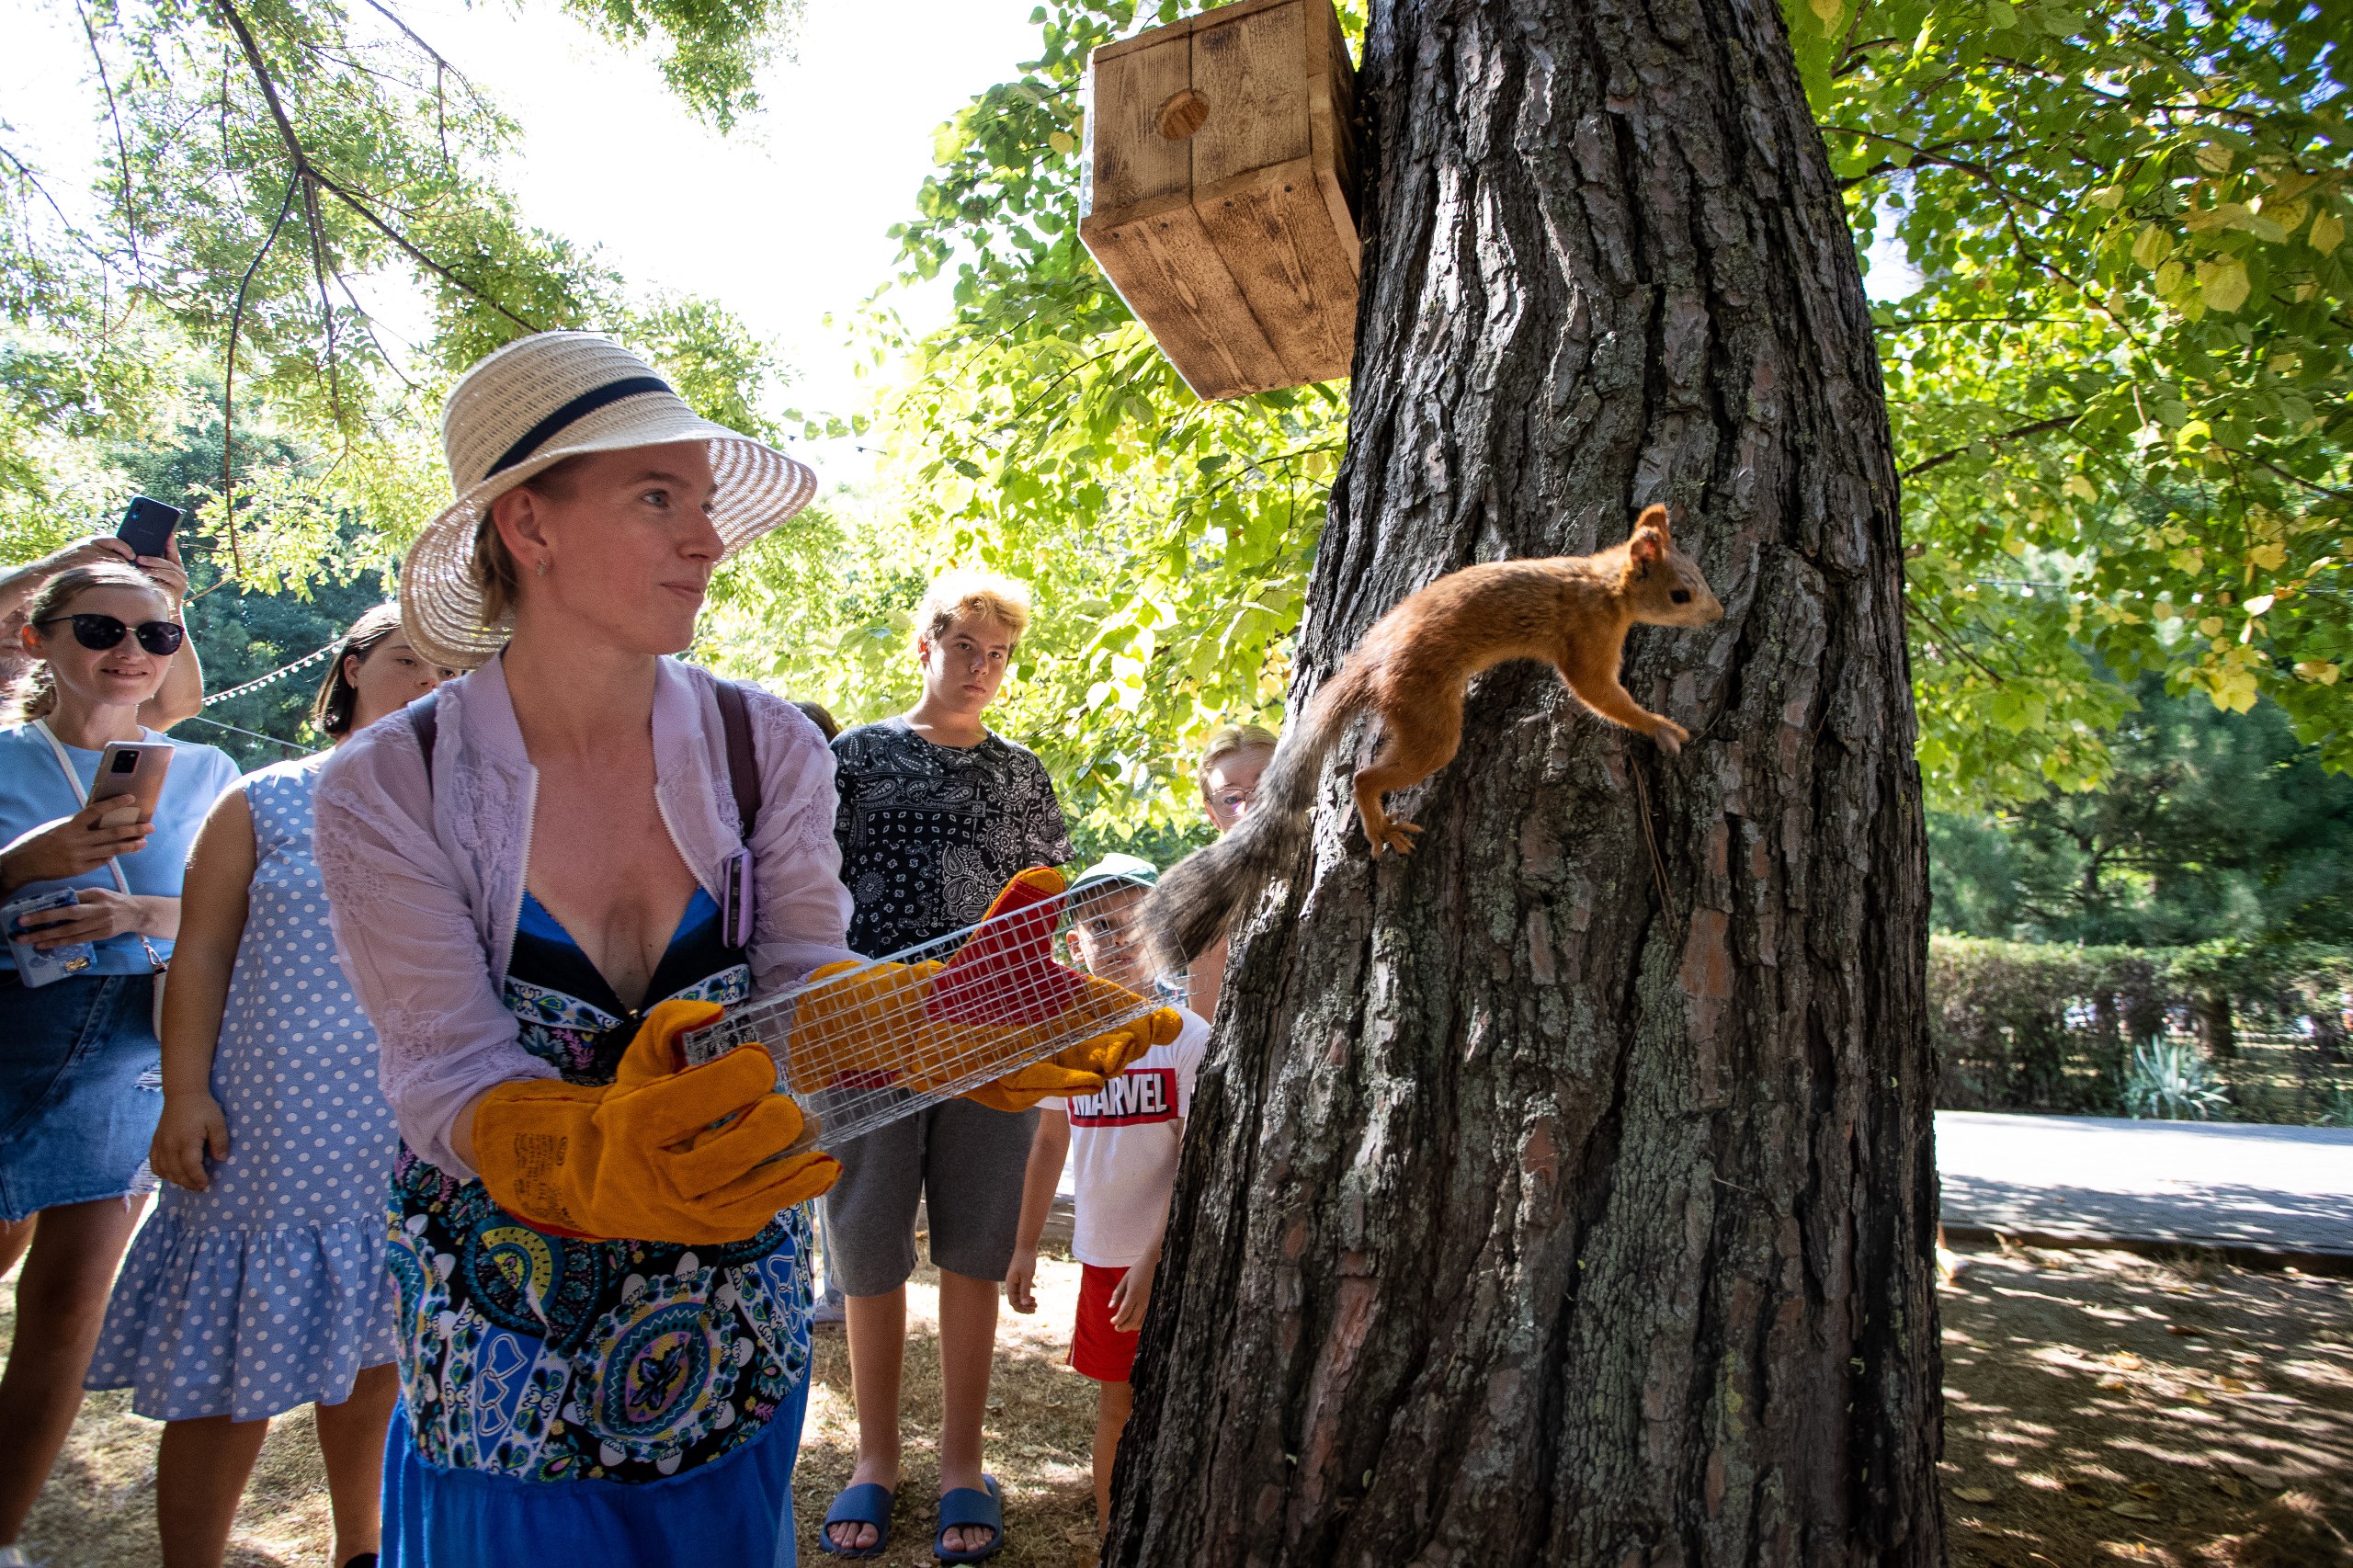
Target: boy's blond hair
x=1227, y=739
x=963, y=590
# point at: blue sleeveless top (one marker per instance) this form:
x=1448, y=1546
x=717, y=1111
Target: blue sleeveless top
x=550, y=1358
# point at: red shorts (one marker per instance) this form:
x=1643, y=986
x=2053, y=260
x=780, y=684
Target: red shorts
x=1097, y=1349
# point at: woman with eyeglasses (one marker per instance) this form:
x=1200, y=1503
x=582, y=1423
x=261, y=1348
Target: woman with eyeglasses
x=78, y=1055
x=260, y=1286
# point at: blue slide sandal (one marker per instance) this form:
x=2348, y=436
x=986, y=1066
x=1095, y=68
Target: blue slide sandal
x=869, y=1504
x=966, y=1508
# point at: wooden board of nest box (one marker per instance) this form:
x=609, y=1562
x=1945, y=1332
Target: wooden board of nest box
x=1222, y=195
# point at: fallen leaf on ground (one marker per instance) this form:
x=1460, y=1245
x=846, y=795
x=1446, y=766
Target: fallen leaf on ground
x=2148, y=1489
x=2130, y=1510
x=1973, y=1494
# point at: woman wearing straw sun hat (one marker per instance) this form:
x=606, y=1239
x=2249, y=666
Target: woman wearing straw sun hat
x=604, y=1307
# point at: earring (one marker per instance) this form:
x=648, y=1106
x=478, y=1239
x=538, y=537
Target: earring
x=541, y=569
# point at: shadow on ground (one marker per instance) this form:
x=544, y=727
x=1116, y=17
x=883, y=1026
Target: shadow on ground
x=2102, y=1407
x=2208, y=1213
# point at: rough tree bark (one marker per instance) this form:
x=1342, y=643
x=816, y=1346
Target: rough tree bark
x=1563, y=1194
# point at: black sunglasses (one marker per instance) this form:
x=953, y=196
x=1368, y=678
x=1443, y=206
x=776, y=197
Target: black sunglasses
x=99, y=633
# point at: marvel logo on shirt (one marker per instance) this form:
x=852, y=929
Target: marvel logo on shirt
x=1135, y=1097
x=1123, y=1143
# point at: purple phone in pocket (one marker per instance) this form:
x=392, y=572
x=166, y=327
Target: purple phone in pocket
x=735, y=899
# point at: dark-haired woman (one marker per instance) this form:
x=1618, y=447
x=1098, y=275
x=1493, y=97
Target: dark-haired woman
x=74, y=1116
x=260, y=1286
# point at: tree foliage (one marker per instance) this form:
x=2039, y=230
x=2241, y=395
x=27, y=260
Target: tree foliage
x=2213, y=826
x=270, y=166
x=1041, y=433
x=2118, y=391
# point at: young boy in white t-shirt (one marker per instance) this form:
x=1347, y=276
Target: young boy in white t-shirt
x=1126, y=1139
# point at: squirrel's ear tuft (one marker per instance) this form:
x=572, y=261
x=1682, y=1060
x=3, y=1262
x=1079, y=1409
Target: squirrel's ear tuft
x=1648, y=544
x=1652, y=518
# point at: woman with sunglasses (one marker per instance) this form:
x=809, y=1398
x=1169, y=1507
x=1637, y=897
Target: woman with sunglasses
x=78, y=1056
x=259, y=1286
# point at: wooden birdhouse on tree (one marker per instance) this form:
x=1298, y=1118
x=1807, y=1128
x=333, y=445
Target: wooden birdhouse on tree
x=1221, y=196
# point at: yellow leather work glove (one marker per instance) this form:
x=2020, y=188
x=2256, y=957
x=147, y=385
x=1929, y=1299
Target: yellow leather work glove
x=862, y=1033
x=1080, y=1069
x=638, y=1159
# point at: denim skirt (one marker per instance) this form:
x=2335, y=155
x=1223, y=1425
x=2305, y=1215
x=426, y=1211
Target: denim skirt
x=79, y=1091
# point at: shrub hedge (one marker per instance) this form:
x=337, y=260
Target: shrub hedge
x=2027, y=1026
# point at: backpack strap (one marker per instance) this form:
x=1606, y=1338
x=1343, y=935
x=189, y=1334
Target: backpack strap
x=427, y=725
x=743, y=767
x=734, y=717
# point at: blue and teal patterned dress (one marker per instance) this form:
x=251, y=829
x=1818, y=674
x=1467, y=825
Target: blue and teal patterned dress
x=634, y=1402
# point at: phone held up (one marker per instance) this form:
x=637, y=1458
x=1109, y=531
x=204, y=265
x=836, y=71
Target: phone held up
x=147, y=525
x=135, y=768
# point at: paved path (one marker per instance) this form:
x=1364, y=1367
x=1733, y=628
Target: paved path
x=2286, y=1188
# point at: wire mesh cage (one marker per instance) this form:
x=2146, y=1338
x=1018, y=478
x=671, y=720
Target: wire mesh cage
x=861, y=1045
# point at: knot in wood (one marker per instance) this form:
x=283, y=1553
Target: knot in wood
x=1184, y=113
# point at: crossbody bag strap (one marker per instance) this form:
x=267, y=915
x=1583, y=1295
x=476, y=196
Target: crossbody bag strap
x=743, y=766
x=74, y=783
x=427, y=722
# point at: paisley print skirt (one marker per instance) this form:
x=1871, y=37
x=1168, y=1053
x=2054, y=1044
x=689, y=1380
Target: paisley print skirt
x=552, y=1358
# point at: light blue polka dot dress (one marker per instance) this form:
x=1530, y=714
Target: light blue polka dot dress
x=269, y=1290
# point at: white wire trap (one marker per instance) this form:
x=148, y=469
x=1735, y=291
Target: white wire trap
x=861, y=1045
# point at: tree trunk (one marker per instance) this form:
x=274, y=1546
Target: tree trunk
x=1563, y=1192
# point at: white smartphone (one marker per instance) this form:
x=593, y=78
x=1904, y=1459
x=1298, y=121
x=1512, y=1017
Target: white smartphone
x=135, y=768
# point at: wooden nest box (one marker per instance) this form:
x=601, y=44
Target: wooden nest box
x=1222, y=199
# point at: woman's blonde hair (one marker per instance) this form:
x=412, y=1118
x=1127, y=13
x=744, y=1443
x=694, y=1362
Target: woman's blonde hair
x=964, y=591
x=1227, y=739
x=492, y=565
x=331, y=709
x=34, y=695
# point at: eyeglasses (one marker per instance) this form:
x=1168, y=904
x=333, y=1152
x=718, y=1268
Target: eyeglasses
x=99, y=633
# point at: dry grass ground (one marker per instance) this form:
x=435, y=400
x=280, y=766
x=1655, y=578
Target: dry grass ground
x=2105, y=1408
x=2102, y=1409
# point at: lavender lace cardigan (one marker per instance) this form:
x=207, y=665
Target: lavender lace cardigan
x=426, y=885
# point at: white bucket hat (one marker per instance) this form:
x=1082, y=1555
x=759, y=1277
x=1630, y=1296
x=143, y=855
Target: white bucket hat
x=537, y=400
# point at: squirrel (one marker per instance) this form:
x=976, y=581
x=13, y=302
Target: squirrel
x=1411, y=669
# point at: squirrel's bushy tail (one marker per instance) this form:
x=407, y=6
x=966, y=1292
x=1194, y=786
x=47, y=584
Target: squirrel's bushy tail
x=1198, y=894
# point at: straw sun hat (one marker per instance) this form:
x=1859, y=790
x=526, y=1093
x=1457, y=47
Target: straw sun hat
x=528, y=406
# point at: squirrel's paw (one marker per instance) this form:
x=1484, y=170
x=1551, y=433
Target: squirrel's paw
x=1670, y=736
x=1399, y=836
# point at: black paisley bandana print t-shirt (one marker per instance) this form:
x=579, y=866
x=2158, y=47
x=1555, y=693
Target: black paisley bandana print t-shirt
x=930, y=834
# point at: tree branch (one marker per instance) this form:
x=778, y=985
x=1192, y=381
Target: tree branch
x=1951, y=638
x=228, y=382
x=122, y=148
x=306, y=168
x=2037, y=427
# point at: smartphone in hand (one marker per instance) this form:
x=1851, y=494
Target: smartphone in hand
x=135, y=768
x=147, y=525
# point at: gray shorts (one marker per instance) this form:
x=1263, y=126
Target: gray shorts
x=965, y=1160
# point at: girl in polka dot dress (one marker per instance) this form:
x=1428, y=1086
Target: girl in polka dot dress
x=259, y=1286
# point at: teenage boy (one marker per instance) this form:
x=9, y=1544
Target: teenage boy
x=1125, y=1140
x=938, y=814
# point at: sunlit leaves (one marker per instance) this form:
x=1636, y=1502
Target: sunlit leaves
x=218, y=221
x=2119, y=394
